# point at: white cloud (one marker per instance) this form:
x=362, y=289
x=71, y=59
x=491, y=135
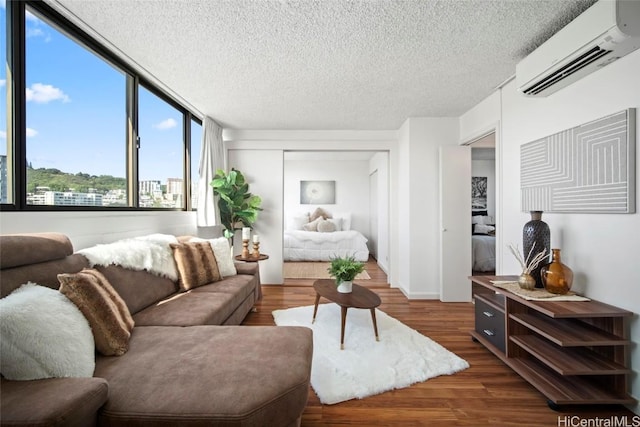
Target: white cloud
x=166, y=124
x=3, y=134
x=3, y=82
x=31, y=132
x=41, y=94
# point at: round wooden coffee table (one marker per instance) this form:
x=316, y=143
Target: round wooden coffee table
x=360, y=297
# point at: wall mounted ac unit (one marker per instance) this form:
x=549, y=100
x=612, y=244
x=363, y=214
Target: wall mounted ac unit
x=608, y=30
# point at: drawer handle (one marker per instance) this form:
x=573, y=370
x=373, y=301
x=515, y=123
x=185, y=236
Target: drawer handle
x=488, y=313
x=488, y=332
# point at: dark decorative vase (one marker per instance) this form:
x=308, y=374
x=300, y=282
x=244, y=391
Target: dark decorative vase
x=557, y=277
x=536, y=232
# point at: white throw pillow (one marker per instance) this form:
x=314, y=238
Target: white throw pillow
x=222, y=253
x=297, y=221
x=345, y=219
x=44, y=335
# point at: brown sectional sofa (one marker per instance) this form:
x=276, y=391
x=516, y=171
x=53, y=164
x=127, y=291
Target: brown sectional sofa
x=188, y=362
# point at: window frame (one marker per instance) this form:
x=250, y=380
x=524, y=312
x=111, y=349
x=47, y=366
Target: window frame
x=16, y=112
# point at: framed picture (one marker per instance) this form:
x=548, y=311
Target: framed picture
x=479, y=193
x=317, y=192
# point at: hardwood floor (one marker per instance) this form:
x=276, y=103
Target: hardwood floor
x=486, y=394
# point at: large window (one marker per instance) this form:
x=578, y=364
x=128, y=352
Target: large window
x=160, y=157
x=75, y=115
x=79, y=112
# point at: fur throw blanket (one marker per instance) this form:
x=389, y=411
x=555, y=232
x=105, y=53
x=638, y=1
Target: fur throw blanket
x=151, y=253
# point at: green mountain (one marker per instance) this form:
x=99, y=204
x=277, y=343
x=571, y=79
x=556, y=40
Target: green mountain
x=57, y=180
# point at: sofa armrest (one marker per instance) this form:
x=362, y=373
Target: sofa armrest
x=250, y=268
x=53, y=401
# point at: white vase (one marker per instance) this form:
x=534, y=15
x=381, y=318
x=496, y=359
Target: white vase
x=345, y=287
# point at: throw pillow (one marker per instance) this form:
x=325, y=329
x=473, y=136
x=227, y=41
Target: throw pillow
x=483, y=229
x=196, y=264
x=326, y=226
x=313, y=225
x=222, y=252
x=319, y=213
x=105, y=310
x=43, y=335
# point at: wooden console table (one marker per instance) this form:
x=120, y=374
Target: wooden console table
x=573, y=352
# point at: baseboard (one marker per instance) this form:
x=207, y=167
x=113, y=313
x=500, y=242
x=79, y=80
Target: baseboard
x=419, y=295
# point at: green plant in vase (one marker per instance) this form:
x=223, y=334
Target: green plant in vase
x=344, y=270
x=238, y=207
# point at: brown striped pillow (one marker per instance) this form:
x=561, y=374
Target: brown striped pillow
x=196, y=264
x=104, y=309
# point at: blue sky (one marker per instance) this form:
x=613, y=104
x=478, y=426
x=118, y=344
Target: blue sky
x=76, y=117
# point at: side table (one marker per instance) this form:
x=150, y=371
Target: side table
x=251, y=258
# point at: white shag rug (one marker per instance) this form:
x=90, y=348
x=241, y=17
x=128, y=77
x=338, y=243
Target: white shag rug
x=365, y=367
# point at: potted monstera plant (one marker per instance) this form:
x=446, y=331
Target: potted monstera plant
x=344, y=270
x=238, y=207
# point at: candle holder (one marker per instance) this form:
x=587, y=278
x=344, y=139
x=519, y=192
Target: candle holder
x=256, y=249
x=245, y=248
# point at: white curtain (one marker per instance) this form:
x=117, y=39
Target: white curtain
x=211, y=159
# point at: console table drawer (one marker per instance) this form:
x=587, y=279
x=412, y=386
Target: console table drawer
x=490, y=324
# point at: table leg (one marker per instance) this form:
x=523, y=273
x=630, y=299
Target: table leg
x=375, y=324
x=315, y=308
x=344, y=320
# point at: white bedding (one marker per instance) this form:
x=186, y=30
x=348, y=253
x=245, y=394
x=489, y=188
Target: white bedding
x=484, y=252
x=314, y=246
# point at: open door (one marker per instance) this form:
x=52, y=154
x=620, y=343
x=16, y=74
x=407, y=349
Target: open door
x=455, y=223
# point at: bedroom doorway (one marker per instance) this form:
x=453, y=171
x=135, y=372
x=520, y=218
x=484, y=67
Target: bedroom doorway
x=359, y=183
x=483, y=209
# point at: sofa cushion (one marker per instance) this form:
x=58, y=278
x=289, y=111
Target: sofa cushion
x=209, y=375
x=138, y=289
x=42, y=273
x=188, y=309
x=196, y=264
x=43, y=335
x=52, y=402
x=32, y=248
x=105, y=310
x=240, y=285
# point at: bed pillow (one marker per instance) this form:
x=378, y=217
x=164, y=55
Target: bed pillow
x=222, y=252
x=196, y=264
x=326, y=226
x=297, y=222
x=101, y=305
x=313, y=225
x=44, y=335
x=337, y=223
x=345, y=220
x=483, y=229
x=319, y=213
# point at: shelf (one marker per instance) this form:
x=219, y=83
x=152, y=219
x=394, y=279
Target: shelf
x=573, y=352
x=492, y=348
x=560, y=390
x=494, y=300
x=568, y=361
x=567, y=333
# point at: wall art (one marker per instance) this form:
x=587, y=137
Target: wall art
x=317, y=192
x=586, y=169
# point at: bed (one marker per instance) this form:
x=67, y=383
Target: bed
x=483, y=252
x=301, y=244
x=483, y=241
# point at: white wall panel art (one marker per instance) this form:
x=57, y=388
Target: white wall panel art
x=586, y=169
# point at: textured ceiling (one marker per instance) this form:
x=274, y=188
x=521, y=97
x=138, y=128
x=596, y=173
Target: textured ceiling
x=327, y=64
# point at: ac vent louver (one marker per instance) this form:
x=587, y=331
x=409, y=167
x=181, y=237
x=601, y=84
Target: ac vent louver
x=570, y=68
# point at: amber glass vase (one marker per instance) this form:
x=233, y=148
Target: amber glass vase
x=556, y=277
